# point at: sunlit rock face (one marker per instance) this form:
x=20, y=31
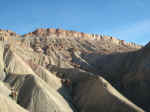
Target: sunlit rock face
x=66, y=33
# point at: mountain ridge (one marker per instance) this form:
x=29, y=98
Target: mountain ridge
x=71, y=33
x=44, y=32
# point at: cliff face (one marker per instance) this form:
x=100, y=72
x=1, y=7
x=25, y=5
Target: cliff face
x=65, y=33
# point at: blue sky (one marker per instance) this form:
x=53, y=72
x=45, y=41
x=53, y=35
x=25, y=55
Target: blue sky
x=125, y=19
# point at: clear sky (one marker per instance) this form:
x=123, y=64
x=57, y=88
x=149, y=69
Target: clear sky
x=125, y=19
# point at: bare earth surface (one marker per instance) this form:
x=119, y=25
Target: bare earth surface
x=54, y=70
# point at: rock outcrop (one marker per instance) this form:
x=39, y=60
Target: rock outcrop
x=65, y=33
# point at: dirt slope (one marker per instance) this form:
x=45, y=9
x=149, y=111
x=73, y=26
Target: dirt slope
x=94, y=94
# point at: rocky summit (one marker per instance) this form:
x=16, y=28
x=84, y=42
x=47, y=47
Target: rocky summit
x=56, y=70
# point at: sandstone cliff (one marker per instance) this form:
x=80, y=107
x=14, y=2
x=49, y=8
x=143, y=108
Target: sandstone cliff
x=65, y=33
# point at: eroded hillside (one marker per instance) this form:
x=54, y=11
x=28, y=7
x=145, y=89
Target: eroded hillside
x=54, y=70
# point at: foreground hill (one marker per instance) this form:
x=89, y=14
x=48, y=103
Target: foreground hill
x=54, y=70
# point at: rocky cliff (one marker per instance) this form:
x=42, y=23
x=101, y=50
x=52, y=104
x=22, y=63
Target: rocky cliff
x=65, y=33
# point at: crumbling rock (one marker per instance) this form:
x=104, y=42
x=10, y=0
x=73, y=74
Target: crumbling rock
x=65, y=33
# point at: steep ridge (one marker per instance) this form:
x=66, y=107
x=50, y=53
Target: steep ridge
x=94, y=94
x=7, y=105
x=65, y=33
x=33, y=93
x=36, y=96
x=136, y=80
x=129, y=73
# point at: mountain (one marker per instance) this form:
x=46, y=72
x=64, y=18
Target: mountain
x=56, y=70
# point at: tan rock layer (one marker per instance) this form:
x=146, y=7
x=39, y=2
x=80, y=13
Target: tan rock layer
x=66, y=33
x=7, y=33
